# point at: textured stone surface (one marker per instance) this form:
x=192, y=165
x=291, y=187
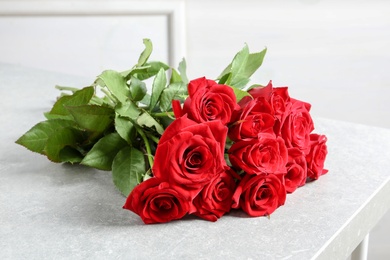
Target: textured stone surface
x=56, y=211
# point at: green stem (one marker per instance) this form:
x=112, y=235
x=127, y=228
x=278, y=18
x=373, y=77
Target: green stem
x=163, y=114
x=96, y=101
x=108, y=94
x=66, y=88
x=113, y=100
x=154, y=138
x=147, y=145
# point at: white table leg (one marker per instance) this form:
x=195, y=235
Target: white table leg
x=360, y=252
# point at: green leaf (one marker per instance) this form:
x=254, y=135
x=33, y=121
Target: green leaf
x=128, y=109
x=175, y=77
x=104, y=151
x=239, y=93
x=80, y=97
x=238, y=65
x=137, y=89
x=146, y=177
x=70, y=155
x=125, y=128
x=240, y=82
x=244, y=64
x=146, y=53
x=158, y=86
x=147, y=120
x=183, y=71
x=35, y=139
x=146, y=100
x=61, y=138
x=253, y=63
x=116, y=84
x=226, y=79
x=91, y=117
x=225, y=72
x=128, y=169
x=55, y=116
x=173, y=91
x=151, y=69
x=128, y=73
x=165, y=121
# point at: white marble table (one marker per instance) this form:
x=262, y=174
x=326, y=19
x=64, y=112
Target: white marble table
x=57, y=211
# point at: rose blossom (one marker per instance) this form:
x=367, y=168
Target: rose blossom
x=296, y=170
x=262, y=91
x=215, y=199
x=256, y=116
x=156, y=202
x=279, y=100
x=298, y=125
x=260, y=195
x=267, y=154
x=189, y=154
x=316, y=157
x=209, y=101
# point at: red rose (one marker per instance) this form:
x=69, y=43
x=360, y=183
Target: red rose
x=316, y=157
x=209, y=101
x=156, y=202
x=215, y=199
x=189, y=154
x=279, y=100
x=255, y=117
x=262, y=91
x=260, y=195
x=296, y=170
x=298, y=126
x=267, y=154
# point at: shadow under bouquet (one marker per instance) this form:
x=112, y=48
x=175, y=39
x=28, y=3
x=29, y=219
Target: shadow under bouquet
x=198, y=147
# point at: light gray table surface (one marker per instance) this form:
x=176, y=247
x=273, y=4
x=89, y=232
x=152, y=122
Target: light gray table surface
x=56, y=211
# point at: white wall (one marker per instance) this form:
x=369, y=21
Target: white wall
x=80, y=45
x=333, y=54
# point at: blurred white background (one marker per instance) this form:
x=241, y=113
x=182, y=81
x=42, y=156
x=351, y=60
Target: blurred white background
x=333, y=54
x=80, y=45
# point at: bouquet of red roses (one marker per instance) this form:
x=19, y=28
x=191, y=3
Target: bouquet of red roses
x=200, y=147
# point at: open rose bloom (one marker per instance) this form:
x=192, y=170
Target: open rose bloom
x=266, y=136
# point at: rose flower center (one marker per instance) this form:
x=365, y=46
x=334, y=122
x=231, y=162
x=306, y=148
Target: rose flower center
x=197, y=159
